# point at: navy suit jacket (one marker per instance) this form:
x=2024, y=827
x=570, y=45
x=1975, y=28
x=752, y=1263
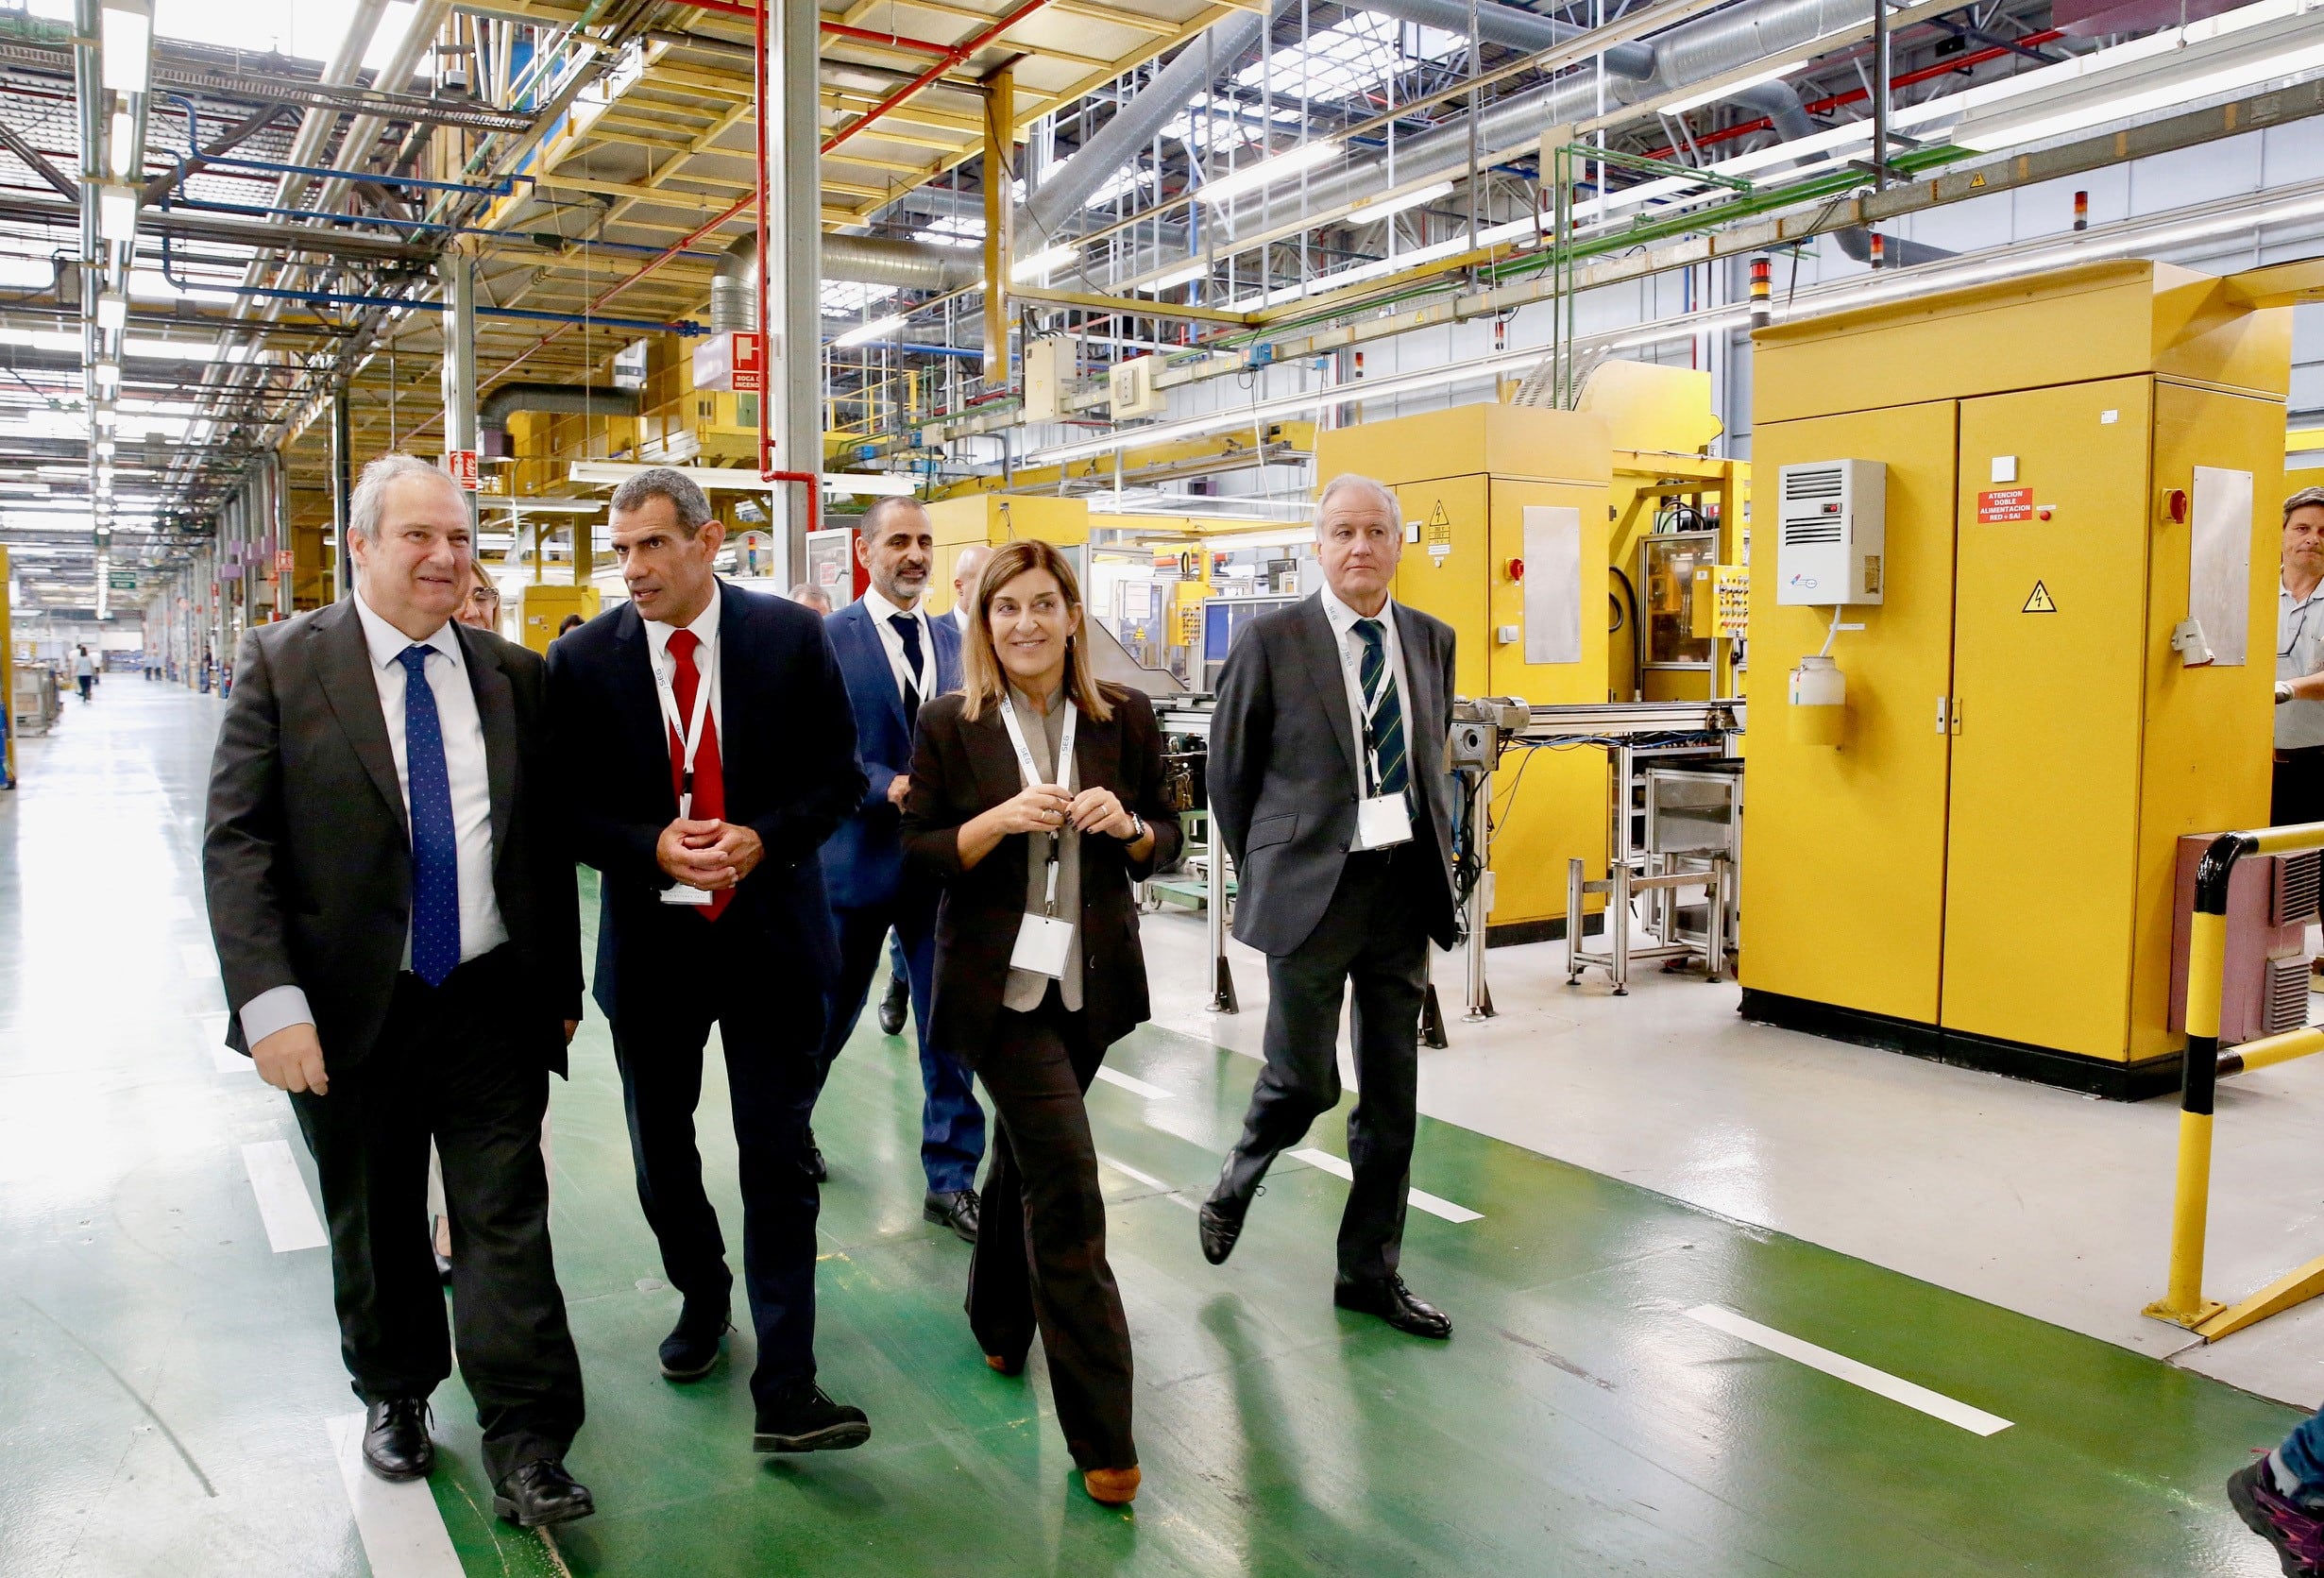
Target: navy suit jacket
x=787, y=745
x=863, y=864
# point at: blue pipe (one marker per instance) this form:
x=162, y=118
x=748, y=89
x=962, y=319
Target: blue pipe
x=957, y=352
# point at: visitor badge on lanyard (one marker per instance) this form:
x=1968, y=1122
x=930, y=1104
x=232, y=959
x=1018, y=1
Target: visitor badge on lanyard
x=1382, y=820
x=690, y=740
x=1044, y=939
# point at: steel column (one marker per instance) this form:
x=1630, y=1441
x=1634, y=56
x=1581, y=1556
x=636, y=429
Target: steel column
x=341, y=494
x=1000, y=136
x=791, y=260
x=458, y=272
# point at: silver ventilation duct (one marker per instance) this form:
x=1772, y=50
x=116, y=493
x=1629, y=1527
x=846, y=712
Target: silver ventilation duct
x=733, y=289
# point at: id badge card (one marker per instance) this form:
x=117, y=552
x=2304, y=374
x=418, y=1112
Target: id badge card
x=1381, y=821
x=678, y=892
x=1042, y=941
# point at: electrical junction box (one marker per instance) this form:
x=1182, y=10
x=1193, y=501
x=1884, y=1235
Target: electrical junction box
x=1830, y=523
x=1050, y=369
x=1131, y=384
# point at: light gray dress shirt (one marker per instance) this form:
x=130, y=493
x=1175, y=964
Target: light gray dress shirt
x=1351, y=665
x=1025, y=990
x=2300, y=652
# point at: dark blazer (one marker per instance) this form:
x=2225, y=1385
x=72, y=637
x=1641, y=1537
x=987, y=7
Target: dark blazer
x=863, y=864
x=307, y=856
x=787, y=745
x=963, y=769
x=1283, y=773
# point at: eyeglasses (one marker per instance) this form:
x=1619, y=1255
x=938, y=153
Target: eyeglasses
x=483, y=597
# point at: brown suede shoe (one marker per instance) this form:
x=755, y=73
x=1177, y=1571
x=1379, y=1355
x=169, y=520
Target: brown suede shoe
x=1116, y=1488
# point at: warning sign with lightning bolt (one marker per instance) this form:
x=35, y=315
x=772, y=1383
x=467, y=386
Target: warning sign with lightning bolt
x=2037, y=601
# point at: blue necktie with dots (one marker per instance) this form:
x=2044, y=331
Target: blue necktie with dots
x=435, y=843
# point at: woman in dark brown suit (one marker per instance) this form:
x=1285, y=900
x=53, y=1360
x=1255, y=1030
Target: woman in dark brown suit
x=1038, y=967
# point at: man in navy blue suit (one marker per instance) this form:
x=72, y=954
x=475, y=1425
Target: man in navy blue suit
x=702, y=735
x=894, y=657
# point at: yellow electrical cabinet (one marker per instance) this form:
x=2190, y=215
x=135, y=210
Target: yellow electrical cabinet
x=543, y=605
x=1505, y=516
x=996, y=518
x=2074, y=464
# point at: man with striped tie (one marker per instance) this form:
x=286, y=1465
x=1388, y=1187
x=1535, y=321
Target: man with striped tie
x=1328, y=780
x=396, y=923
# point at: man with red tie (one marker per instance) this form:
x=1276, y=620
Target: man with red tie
x=703, y=737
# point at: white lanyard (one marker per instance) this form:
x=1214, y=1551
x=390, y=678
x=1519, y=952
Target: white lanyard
x=666, y=693
x=1032, y=775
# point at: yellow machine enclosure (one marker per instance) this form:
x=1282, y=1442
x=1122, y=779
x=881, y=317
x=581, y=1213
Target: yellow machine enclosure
x=1983, y=869
x=997, y=518
x=542, y=605
x=1465, y=478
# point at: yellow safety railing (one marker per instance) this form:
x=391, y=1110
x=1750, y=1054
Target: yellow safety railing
x=2183, y=1304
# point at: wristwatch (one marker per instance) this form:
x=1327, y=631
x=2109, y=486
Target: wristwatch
x=1137, y=828
x=2283, y=691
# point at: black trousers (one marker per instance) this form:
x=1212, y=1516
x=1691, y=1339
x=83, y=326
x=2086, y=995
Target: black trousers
x=2297, y=793
x=1039, y=1261
x=658, y=1041
x=458, y=1065
x=1369, y=939
x=952, y=1126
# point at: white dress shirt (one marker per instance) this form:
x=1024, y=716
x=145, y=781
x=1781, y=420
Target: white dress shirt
x=891, y=642
x=2300, y=652
x=960, y=616
x=706, y=629
x=1352, y=669
x=463, y=728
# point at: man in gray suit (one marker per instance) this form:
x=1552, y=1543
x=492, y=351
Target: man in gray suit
x=393, y=904
x=1328, y=781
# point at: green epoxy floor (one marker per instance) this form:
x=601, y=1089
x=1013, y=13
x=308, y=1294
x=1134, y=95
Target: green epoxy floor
x=165, y=1376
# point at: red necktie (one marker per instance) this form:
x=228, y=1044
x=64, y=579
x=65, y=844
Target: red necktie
x=709, y=775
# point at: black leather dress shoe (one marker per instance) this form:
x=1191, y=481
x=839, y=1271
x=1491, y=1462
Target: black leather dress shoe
x=1393, y=1303
x=807, y=1421
x=691, y=1349
x=540, y=1493
x=816, y=1169
x=893, y=1007
x=956, y=1209
x=395, y=1444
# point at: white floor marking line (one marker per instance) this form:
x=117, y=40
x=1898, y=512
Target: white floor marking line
x=282, y=1199
x=1436, y=1205
x=198, y=961
x=402, y=1531
x=1149, y=1181
x=1935, y=1405
x=1135, y=1087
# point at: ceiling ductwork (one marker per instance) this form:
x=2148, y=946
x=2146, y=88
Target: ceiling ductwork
x=567, y=399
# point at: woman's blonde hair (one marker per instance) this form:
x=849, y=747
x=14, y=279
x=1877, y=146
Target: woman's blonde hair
x=983, y=679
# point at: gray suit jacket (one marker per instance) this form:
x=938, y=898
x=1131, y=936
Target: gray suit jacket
x=1283, y=774
x=307, y=860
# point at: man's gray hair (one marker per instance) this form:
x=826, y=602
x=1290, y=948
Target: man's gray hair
x=883, y=507
x=2307, y=498
x=1349, y=481
x=370, y=498
x=685, y=494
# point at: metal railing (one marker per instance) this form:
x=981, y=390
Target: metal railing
x=2182, y=1302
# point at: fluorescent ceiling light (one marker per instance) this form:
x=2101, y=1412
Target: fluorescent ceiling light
x=126, y=33
x=1175, y=278
x=1252, y=177
x=2205, y=66
x=1720, y=88
x=869, y=484
x=878, y=329
x=117, y=211
x=1041, y=262
x=612, y=473
x=1384, y=206
x=41, y=339
x=120, y=144
x=112, y=312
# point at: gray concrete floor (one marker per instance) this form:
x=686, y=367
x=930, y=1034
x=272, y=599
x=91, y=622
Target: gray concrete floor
x=2044, y=1202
